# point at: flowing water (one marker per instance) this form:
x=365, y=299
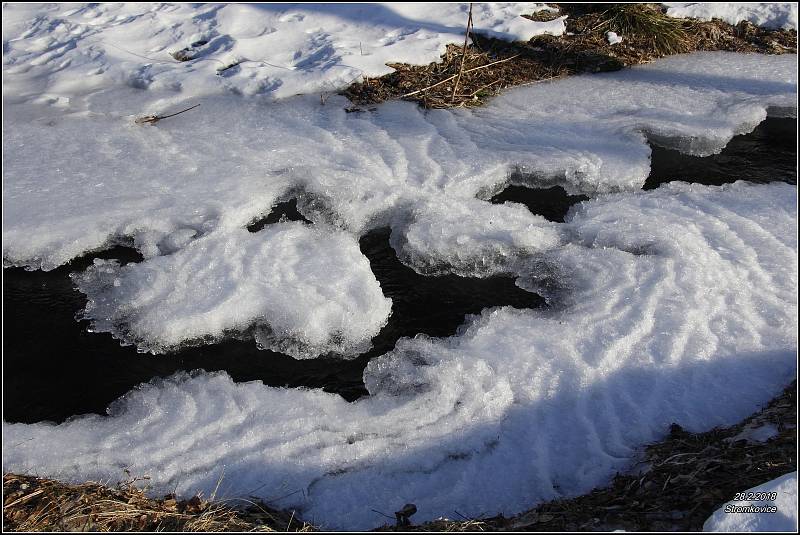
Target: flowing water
x=55, y=368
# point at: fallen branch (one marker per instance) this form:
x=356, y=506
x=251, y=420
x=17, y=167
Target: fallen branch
x=153, y=119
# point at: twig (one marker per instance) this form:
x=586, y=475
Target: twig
x=153, y=119
x=492, y=63
x=429, y=87
x=380, y=513
x=482, y=88
x=453, y=76
x=463, y=53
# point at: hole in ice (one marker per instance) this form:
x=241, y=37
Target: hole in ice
x=61, y=370
x=767, y=154
x=283, y=211
x=551, y=203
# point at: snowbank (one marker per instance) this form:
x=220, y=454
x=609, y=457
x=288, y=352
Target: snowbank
x=783, y=519
x=675, y=305
x=303, y=291
x=767, y=14
x=58, y=53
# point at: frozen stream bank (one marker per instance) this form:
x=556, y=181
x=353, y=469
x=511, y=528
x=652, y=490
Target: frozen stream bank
x=671, y=305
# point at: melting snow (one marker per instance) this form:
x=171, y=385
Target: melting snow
x=676, y=305
x=103, y=178
x=305, y=292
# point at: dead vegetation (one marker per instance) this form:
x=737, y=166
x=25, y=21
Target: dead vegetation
x=37, y=504
x=681, y=481
x=488, y=66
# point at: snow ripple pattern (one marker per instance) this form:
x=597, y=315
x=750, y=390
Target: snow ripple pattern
x=675, y=305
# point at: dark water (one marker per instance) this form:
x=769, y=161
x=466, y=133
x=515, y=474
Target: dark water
x=54, y=368
x=551, y=203
x=767, y=154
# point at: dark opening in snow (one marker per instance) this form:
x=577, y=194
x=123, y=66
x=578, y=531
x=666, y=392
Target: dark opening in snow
x=551, y=203
x=767, y=154
x=61, y=370
x=283, y=211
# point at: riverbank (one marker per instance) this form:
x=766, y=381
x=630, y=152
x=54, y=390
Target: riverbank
x=468, y=76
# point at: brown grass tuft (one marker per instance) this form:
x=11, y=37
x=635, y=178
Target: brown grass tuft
x=38, y=504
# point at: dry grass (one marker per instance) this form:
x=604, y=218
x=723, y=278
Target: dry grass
x=38, y=504
x=682, y=480
x=646, y=22
x=491, y=65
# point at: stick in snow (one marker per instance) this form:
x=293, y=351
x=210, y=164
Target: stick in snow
x=153, y=119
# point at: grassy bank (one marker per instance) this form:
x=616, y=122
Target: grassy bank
x=467, y=76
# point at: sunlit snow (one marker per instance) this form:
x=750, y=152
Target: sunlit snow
x=673, y=305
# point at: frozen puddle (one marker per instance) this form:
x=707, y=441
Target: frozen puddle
x=673, y=305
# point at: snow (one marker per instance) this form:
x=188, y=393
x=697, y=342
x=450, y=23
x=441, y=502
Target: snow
x=471, y=238
x=54, y=52
x=674, y=305
x=766, y=14
x=613, y=38
x=304, y=291
x=104, y=179
x=756, y=433
x=784, y=519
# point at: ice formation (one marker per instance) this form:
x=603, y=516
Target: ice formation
x=767, y=14
x=52, y=52
x=471, y=238
x=675, y=305
x=783, y=519
x=298, y=289
x=104, y=179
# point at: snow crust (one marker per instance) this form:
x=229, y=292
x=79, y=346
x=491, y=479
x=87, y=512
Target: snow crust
x=55, y=53
x=674, y=305
x=767, y=14
x=295, y=288
x=75, y=182
x=784, y=519
x=471, y=238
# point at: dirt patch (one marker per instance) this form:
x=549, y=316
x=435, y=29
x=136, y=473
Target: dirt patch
x=491, y=65
x=38, y=504
x=681, y=481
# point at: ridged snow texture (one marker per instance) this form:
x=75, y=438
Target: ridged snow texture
x=76, y=182
x=676, y=305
